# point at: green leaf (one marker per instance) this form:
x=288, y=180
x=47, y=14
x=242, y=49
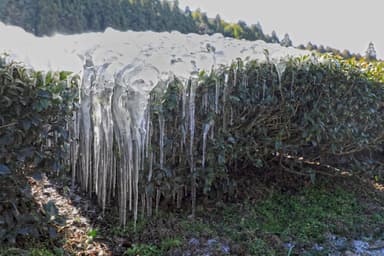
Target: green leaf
x=92, y=233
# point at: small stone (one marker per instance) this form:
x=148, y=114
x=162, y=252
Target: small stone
x=212, y=242
x=377, y=245
x=77, y=199
x=225, y=249
x=194, y=242
x=360, y=246
x=318, y=248
x=349, y=253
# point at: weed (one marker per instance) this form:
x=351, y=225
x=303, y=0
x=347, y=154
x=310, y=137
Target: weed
x=143, y=250
x=169, y=244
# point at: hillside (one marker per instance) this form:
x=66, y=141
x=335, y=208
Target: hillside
x=46, y=17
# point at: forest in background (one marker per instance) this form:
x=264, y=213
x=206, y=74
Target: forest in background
x=46, y=17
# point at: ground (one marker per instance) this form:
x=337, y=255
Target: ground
x=334, y=216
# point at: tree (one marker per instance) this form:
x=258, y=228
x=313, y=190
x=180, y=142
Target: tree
x=286, y=42
x=321, y=49
x=218, y=23
x=46, y=17
x=309, y=46
x=346, y=54
x=370, y=53
x=274, y=38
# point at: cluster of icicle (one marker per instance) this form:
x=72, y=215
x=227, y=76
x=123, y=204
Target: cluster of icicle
x=111, y=131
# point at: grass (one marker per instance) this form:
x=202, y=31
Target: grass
x=143, y=250
x=267, y=226
x=301, y=218
x=31, y=252
x=308, y=215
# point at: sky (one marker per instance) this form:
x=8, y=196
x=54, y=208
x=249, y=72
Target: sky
x=341, y=24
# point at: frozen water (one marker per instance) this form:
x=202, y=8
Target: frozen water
x=118, y=71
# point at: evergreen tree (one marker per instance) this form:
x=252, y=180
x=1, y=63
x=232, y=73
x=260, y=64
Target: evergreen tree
x=370, y=53
x=46, y=17
x=218, y=24
x=301, y=47
x=346, y=54
x=309, y=46
x=274, y=38
x=286, y=41
x=321, y=49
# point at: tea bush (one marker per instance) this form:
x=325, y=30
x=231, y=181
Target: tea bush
x=308, y=115
x=35, y=108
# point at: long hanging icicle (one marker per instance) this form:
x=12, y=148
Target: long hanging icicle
x=205, y=134
x=161, y=155
x=85, y=123
x=217, y=91
x=226, y=77
x=280, y=68
x=192, y=107
x=74, y=147
x=161, y=139
x=183, y=113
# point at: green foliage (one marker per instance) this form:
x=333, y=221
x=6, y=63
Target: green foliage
x=316, y=115
x=21, y=222
x=41, y=252
x=169, y=244
x=342, y=207
x=92, y=233
x=34, y=111
x=260, y=247
x=309, y=215
x=144, y=250
x=45, y=17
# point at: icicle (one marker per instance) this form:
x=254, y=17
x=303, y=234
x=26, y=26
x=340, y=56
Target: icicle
x=245, y=81
x=217, y=88
x=205, y=133
x=74, y=153
x=129, y=171
x=150, y=167
x=224, y=101
x=161, y=139
x=136, y=178
x=213, y=130
x=86, y=131
x=113, y=180
x=149, y=195
x=183, y=114
x=280, y=68
x=143, y=137
x=192, y=136
x=148, y=132
x=96, y=120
